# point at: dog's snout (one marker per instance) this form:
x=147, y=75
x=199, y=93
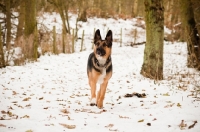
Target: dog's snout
x=100, y=51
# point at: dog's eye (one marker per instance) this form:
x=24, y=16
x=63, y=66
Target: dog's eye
x=97, y=44
x=104, y=44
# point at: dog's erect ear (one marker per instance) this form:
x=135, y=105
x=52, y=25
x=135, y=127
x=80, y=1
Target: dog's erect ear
x=109, y=38
x=97, y=36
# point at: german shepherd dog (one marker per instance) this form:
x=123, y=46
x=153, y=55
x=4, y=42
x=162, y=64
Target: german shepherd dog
x=99, y=67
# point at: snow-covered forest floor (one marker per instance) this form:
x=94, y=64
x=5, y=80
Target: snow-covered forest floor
x=52, y=94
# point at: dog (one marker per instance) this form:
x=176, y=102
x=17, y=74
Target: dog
x=99, y=67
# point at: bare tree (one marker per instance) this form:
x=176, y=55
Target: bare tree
x=8, y=23
x=62, y=7
x=190, y=19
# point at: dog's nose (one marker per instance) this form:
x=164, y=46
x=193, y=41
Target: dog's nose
x=100, y=51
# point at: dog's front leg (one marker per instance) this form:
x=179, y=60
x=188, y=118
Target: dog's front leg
x=101, y=94
x=93, y=93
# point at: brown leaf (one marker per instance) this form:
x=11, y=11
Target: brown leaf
x=109, y=126
x=14, y=93
x=68, y=126
x=191, y=126
x=178, y=104
x=26, y=99
x=182, y=124
x=166, y=94
x=148, y=124
x=141, y=120
x=64, y=111
x=3, y=112
x=2, y=125
x=28, y=131
x=123, y=117
x=154, y=119
x=25, y=116
x=41, y=98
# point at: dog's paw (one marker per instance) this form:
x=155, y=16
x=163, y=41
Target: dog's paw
x=93, y=102
x=100, y=104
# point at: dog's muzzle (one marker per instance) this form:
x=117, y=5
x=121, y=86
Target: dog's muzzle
x=100, y=52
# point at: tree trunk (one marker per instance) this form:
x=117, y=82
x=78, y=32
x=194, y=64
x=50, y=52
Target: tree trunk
x=153, y=54
x=135, y=8
x=140, y=8
x=30, y=28
x=196, y=10
x=191, y=33
x=30, y=17
x=8, y=23
x=2, y=61
x=21, y=19
x=82, y=5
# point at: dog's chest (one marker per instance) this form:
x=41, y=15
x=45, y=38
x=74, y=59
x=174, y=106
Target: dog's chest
x=102, y=76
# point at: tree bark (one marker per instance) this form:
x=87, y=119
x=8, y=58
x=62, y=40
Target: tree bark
x=153, y=54
x=30, y=28
x=30, y=17
x=191, y=33
x=2, y=61
x=21, y=19
x=8, y=23
x=196, y=10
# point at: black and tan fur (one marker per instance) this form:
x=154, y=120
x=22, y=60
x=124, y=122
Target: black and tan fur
x=99, y=67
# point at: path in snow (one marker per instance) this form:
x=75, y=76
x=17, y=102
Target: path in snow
x=52, y=94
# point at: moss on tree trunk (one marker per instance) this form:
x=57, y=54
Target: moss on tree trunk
x=30, y=16
x=191, y=33
x=153, y=54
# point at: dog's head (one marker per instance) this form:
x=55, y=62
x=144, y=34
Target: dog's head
x=102, y=48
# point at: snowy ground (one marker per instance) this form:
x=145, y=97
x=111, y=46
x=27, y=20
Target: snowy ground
x=53, y=94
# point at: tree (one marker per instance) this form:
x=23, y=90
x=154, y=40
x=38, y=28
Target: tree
x=21, y=19
x=30, y=17
x=8, y=22
x=153, y=54
x=63, y=6
x=30, y=47
x=190, y=20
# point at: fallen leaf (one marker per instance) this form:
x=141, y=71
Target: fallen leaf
x=25, y=116
x=154, y=119
x=3, y=112
x=64, y=111
x=178, y=104
x=14, y=92
x=182, y=125
x=166, y=94
x=68, y=126
x=41, y=98
x=148, y=124
x=26, y=99
x=28, y=131
x=141, y=120
x=123, y=117
x=2, y=125
x=191, y=126
x=9, y=113
x=109, y=126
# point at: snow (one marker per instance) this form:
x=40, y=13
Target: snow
x=52, y=94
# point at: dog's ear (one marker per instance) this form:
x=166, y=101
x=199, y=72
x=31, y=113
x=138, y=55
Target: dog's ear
x=109, y=38
x=97, y=36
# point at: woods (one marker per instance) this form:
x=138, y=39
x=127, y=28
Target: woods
x=181, y=17
x=44, y=65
